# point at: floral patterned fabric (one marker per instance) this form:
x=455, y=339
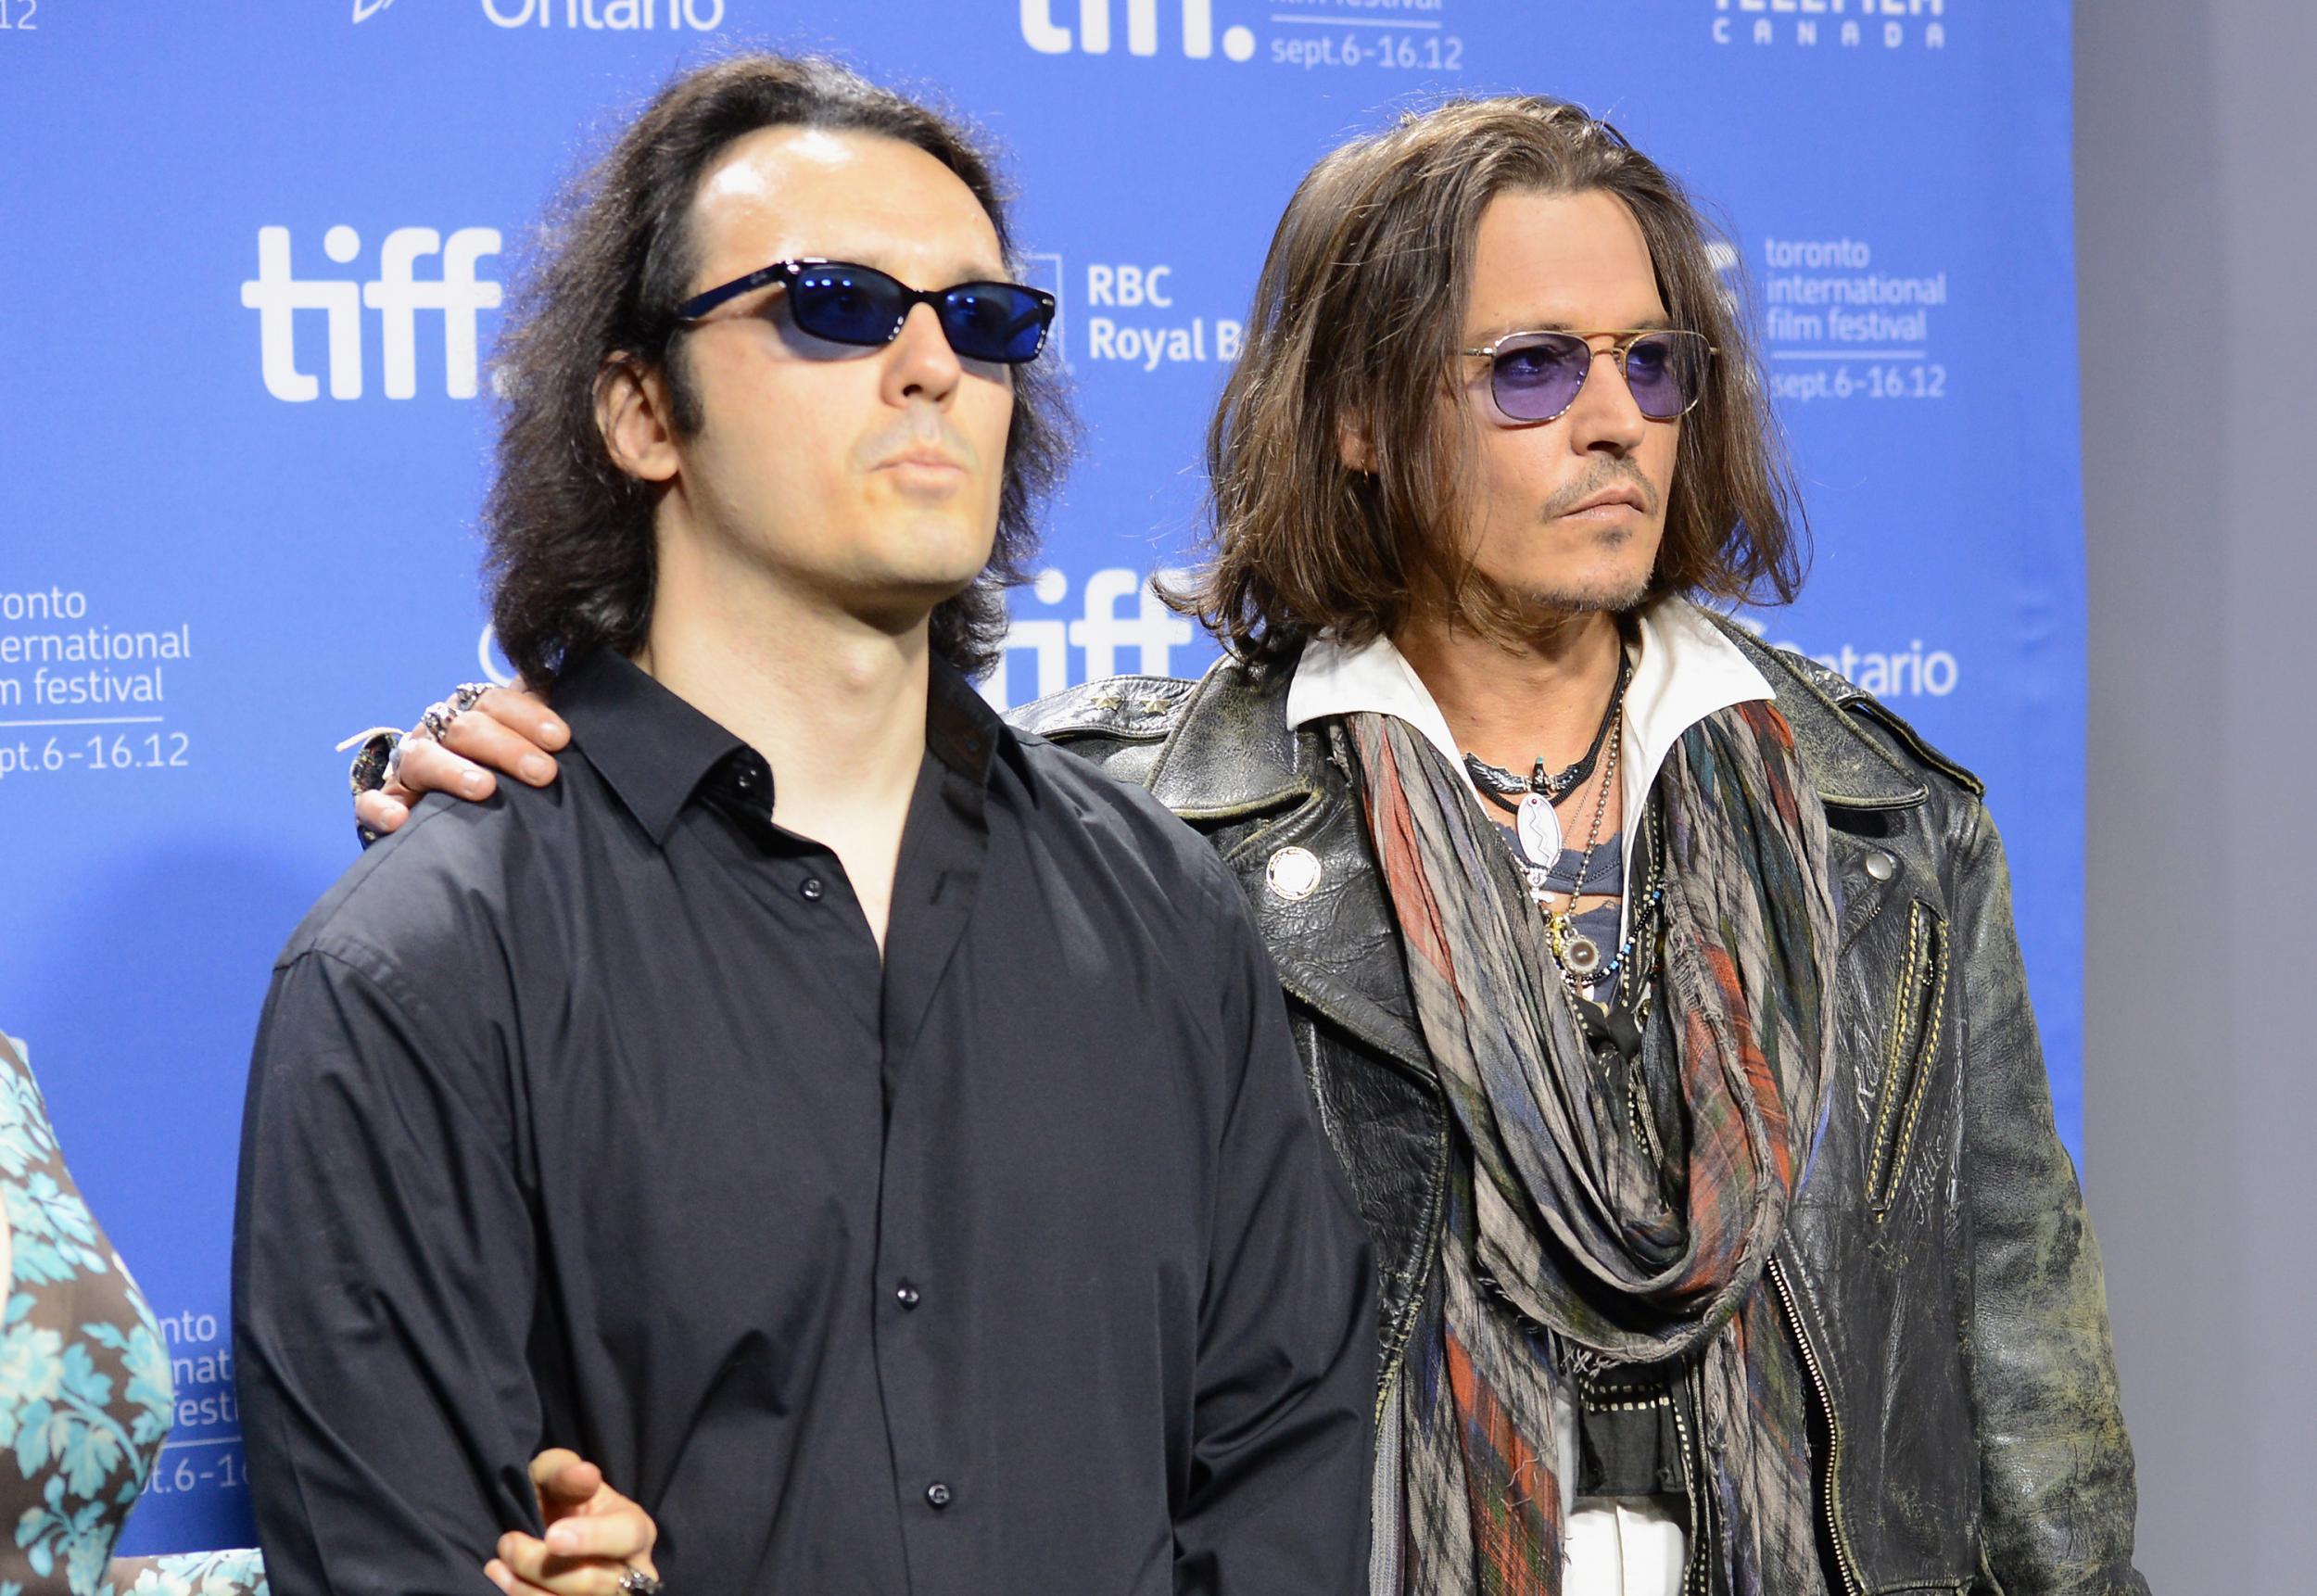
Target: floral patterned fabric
x=188, y=1574
x=84, y=1387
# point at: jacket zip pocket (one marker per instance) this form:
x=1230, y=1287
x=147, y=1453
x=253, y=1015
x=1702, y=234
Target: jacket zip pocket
x=1908, y=1055
x=1830, y=1502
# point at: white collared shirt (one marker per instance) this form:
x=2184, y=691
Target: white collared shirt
x=1684, y=669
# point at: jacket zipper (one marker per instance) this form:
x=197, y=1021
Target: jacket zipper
x=1384, y=1500
x=1845, y=1559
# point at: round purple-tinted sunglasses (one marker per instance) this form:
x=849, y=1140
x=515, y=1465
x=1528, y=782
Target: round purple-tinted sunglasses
x=1534, y=376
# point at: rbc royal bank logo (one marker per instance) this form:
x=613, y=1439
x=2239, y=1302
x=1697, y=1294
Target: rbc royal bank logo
x=1846, y=24
x=1043, y=32
x=397, y=292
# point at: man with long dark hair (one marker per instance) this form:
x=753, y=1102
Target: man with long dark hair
x=1659, y=989
x=708, y=1110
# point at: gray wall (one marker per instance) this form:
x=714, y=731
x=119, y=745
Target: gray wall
x=2195, y=160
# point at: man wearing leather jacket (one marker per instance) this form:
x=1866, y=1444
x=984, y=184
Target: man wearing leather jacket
x=1658, y=989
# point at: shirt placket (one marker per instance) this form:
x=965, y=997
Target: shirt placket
x=936, y=1482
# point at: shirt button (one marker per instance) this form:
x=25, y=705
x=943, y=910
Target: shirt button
x=1882, y=866
x=906, y=1295
x=937, y=1494
x=812, y=889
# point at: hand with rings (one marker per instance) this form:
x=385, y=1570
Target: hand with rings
x=455, y=748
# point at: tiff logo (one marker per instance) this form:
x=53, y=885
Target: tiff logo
x=1044, y=34
x=1152, y=632
x=398, y=293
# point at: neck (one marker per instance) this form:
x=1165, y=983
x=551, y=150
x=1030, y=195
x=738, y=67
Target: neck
x=1512, y=704
x=835, y=703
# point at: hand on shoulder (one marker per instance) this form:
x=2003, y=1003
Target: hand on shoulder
x=509, y=730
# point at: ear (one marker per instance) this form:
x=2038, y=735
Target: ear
x=1353, y=447
x=632, y=411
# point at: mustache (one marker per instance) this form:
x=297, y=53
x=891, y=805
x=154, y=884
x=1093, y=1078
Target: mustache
x=1608, y=473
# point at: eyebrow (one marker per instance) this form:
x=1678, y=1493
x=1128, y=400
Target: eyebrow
x=974, y=269
x=1656, y=323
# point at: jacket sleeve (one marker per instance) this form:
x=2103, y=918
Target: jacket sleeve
x=2055, y=1465
x=1276, y=1503
x=383, y=1290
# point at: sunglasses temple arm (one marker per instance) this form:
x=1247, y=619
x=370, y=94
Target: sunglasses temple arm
x=694, y=308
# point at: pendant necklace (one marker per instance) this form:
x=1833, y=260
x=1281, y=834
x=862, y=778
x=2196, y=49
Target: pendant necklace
x=1531, y=800
x=1576, y=952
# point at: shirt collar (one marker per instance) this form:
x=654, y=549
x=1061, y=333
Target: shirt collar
x=654, y=749
x=1684, y=670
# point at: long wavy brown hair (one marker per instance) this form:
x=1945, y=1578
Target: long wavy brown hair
x=1357, y=322
x=569, y=535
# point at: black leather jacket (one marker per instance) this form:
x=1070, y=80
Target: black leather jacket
x=1938, y=1272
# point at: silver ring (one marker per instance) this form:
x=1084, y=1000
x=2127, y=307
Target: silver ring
x=439, y=716
x=636, y=1582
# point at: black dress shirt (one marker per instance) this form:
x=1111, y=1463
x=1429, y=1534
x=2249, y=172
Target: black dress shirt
x=1010, y=1265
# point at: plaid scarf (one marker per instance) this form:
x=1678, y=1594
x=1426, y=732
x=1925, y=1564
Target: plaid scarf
x=1557, y=1220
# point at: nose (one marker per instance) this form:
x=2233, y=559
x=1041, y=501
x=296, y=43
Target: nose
x=1604, y=416
x=919, y=363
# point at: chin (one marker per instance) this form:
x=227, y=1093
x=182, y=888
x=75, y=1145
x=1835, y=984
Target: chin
x=1616, y=598
x=916, y=585
x=1561, y=593
x=940, y=560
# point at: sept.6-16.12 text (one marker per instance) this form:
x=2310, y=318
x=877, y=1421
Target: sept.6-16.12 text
x=64, y=751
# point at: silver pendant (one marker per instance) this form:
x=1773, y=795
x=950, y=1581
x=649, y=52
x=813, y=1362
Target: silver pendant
x=1540, y=830
x=1581, y=958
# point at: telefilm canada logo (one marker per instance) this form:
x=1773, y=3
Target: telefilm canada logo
x=1841, y=24
x=588, y=16
x=399, y=295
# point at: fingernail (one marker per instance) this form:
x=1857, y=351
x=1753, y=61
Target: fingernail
x=470, y=784
x=562, y=1538
x=537, y=768
x=557, y=729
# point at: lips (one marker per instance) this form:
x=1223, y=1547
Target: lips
x=1625, y=497
x=923, y=460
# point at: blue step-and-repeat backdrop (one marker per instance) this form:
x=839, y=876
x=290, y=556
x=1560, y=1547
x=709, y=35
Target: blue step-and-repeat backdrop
x=254, y=259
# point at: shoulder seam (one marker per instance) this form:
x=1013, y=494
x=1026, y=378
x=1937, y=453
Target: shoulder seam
x=1866, y=704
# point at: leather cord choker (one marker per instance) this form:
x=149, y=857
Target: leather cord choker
x=1506, y=790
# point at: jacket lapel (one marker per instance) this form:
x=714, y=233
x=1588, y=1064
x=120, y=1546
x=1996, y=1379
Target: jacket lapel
x=1234, y=764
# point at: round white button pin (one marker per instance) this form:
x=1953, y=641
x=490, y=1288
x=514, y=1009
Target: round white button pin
x=1294, y=873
